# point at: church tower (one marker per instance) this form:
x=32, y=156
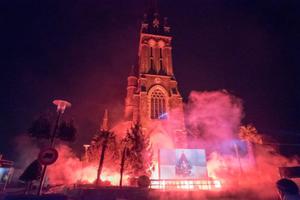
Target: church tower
x=153, y=98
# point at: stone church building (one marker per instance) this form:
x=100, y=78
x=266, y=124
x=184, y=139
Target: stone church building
x=153, y=98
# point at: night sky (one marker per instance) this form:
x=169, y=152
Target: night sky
x=82, y=51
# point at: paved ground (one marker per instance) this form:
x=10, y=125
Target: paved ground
x=127, y=193
x=137, y=194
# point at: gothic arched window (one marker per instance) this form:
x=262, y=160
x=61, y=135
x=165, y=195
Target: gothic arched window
x=158, y=105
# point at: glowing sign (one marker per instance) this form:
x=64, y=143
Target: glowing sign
x=182, y=164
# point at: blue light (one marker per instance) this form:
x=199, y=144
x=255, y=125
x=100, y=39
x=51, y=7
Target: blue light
x=3, y=174
x=163, y=116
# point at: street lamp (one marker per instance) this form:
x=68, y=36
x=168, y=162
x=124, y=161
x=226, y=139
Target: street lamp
x=86, y=148
x=61, y=106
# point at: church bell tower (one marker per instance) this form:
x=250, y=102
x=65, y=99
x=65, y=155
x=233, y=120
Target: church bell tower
x=153, y=98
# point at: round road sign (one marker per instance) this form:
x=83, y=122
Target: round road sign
x=48, y=156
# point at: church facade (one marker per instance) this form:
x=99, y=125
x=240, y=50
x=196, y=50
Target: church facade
x=153, y=98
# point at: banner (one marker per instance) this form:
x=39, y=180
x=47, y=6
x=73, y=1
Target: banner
x=182, y=164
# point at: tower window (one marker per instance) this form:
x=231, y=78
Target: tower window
x=161, y=64
x=151, y=59
x=151, y=63
x=174, y=90
x=158, y=105
x=162, y=70
x=160, y=58
x=143, y=88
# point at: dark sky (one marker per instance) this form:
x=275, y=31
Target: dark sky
x=82, y=51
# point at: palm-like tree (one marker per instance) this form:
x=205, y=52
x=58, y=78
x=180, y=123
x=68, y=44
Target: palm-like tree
x=250, y=134
x=102, y=142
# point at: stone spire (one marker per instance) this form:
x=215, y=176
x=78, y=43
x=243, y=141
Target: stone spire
x=105, y=126
x=133, y=70
x=132, y=83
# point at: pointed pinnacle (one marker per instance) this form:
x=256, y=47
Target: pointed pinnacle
x=105, y=126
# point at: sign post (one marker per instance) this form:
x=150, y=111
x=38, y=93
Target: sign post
x=46, y=157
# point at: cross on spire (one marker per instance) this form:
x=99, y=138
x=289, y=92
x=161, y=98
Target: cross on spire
x=153, y=5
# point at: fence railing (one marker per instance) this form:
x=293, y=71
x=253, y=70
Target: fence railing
x=6, y=163
x=186, y=184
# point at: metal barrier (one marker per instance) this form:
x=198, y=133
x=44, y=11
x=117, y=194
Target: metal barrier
x=187, y=184
x=6, y=163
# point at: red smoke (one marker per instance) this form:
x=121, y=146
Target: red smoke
x=212, y=118
x=68, y=169
x=214, y=115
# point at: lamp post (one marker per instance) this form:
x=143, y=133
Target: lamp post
x=61, y=106
x=238, y=157
x=86, y=148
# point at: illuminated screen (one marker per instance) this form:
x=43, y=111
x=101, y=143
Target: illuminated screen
x=4, y=172
x=182, y=164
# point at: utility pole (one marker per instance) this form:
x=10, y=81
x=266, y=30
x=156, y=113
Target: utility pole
x=238, y=157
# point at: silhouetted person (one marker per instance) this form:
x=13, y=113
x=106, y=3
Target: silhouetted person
x=287, y=189
x=32, y=173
